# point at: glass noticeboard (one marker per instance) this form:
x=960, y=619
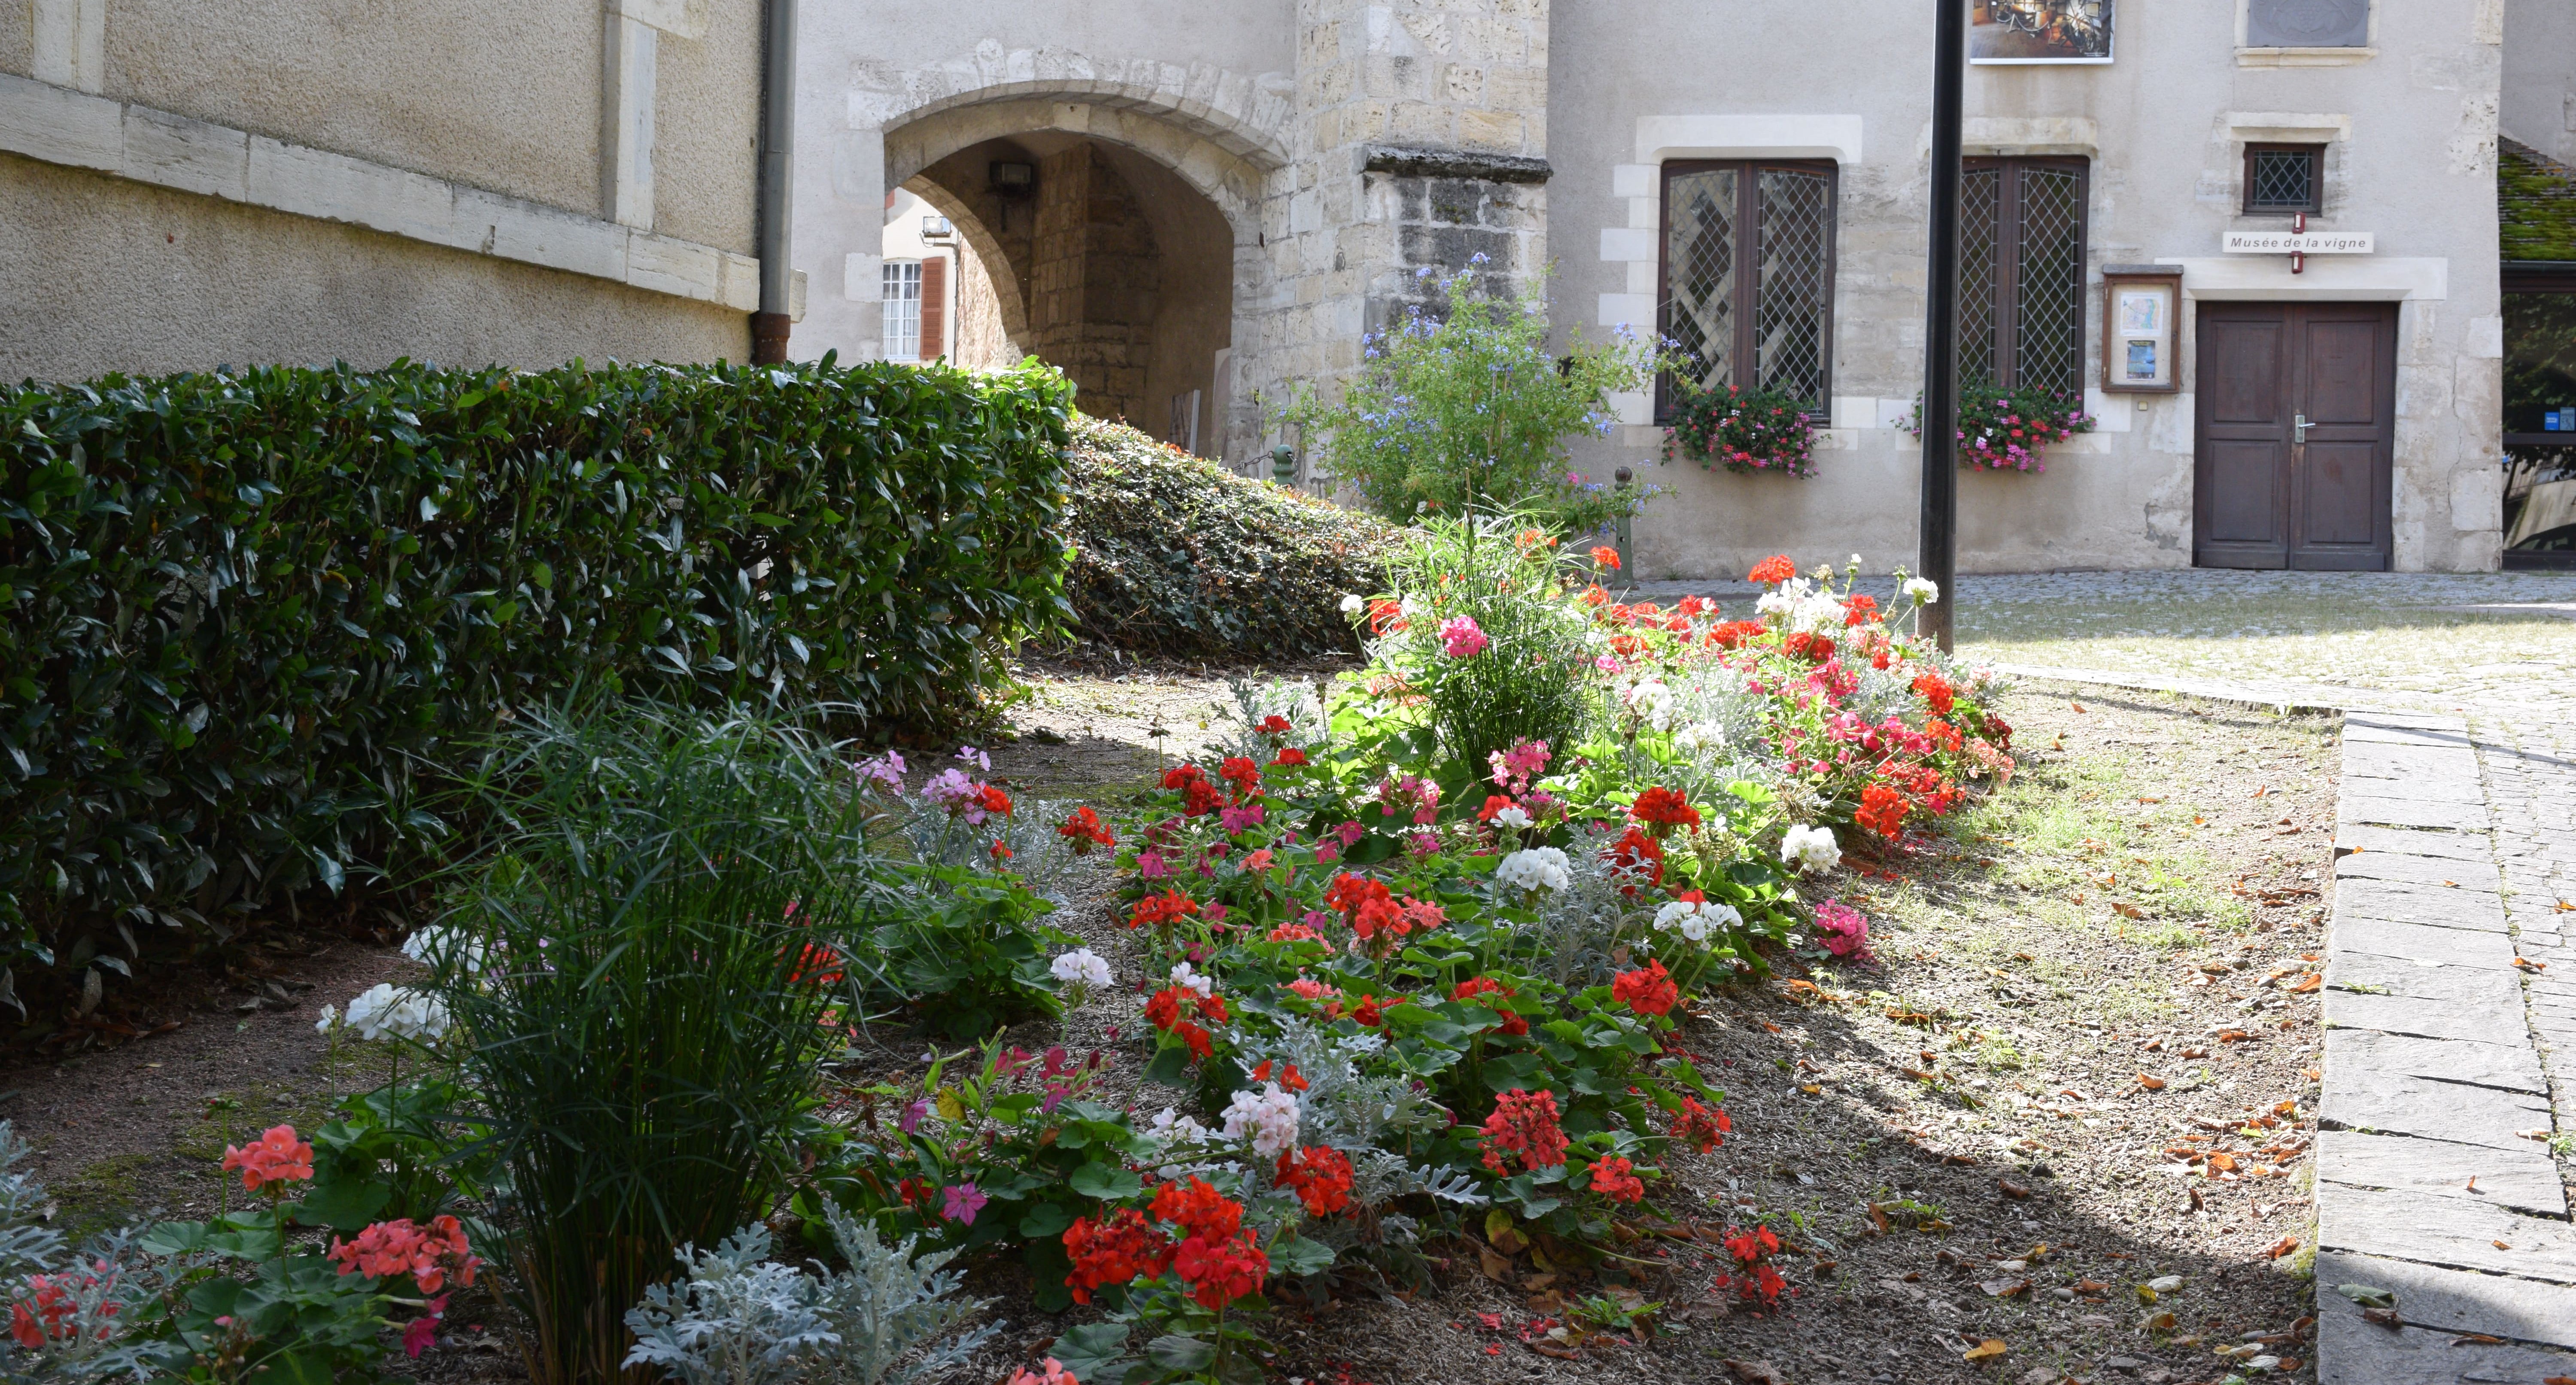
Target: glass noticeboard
x=2139, y=312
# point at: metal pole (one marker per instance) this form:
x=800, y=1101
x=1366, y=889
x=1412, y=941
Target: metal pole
x=1626, y=478
x=777, y=148
x=1939, y=555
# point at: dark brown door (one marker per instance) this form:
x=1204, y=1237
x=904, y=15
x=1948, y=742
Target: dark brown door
x=2297, y=429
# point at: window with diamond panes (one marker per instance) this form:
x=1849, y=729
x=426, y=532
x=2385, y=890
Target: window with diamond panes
x=1748, y=275
x=2021, y=273
x=2283, y=178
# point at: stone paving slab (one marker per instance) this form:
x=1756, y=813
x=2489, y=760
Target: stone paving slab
x=2423, y=942
x=2510, y=1067
x=2454, y=846
x=2421, y=884
x=2393, y=1103
x=2407, y=1225
x=2483, y=1021
x=2523, y=1179
x=2353, y=1352
x=2409, y=812
x=2455, y=1301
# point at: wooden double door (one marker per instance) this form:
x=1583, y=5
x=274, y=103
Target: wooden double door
x=2296, y=430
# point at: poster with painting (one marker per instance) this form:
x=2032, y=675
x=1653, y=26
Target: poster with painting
x=2040, y=31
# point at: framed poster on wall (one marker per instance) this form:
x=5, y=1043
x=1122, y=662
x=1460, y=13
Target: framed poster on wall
x=2141, y=305
x=2004, y=32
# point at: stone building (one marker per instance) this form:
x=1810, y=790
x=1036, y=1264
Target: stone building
x=1192, y=207
x=188, y=183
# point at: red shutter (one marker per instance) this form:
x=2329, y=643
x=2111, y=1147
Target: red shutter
x=934, y=307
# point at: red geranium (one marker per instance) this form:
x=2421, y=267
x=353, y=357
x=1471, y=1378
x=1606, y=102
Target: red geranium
x=1320, y=1176
x=1240, y=772
x=1119, y=1250
x=1937, y=691
x=1606, y=556
x=1523, y=1127
x=1637, y=856
x=1734, y=634
x=1289, y=757
x=994, y=801
x=1699, y=1127
x=1615, y=1179
x=1773, y=570
x=1648, y=990
x=1859, y=608
x=1660, y=807
x=1084, y=830
x=428, y=1254
x=1882, y=810
x=1162, y=910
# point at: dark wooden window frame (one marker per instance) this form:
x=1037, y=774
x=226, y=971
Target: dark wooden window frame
x=2316, y=156
x=2008, y=252
x=1748, y=210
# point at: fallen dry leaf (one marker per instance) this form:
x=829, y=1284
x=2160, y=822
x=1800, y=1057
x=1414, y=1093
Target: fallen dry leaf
x=2529, y=965
x=2500, y=1245
x=1991, y=1347
x=2385, y=1317
x=2479, y=1339
x=2005, y=1288
x=2127, y=910
x=2312, y=981
x=2153, y=1084
x=2011, y=1189
x=2079, y=707
x=2282, y=1247
x=1756, y=1373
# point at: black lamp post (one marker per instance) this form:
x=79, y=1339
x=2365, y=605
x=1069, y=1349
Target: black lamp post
x=1939, y=555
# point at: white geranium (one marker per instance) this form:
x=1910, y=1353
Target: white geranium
x=1080, y=970
x=1651, y=702
x=385, y=1011
x=1082, y=966
x=1268, y=1116
x=1174, y=1129
x=329, y=1021
x=1537, y=868
x=1922, y=591
x=1810, y=849
x=430, y=945
x=1352, y=605
x=1184, y=975
x=1513, y=818
x=1699, y=736
x=1697, y=920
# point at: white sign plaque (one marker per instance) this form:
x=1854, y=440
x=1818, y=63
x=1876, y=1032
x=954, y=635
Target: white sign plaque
x=2300, y=243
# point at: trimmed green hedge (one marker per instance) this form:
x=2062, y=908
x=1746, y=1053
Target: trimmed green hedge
x=1176, y=555
x=240, y=614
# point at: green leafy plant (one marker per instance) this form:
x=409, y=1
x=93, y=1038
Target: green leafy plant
x=245, y=619
x=1759, y=432
x=1461, y=407
x=1481, y=636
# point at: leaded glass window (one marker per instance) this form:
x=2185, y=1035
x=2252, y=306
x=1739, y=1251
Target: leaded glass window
x=2021, y=273
x=1748, y=274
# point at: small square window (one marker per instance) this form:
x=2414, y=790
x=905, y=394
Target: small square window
x=2283, y=178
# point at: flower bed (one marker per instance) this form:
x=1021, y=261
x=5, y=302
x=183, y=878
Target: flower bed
x=1415, y=953
x=1403, y=976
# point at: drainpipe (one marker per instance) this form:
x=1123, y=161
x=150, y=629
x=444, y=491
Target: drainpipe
x=777, y=146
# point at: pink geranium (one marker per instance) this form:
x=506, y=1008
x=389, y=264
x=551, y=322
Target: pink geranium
x=1843, y=931
x=1460, y=638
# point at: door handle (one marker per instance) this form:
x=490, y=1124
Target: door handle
x=2301, y=424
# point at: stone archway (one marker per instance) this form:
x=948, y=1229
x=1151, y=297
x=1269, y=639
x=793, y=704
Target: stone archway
x=1135, y=260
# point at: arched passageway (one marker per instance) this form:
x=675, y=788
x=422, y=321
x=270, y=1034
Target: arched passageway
x=1122, y=245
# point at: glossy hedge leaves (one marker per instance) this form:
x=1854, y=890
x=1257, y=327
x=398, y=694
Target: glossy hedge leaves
x=243, y=616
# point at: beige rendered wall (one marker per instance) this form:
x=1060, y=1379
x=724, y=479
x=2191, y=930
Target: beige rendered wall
x=2540, y=76
x=503, y=96
x=100, y=275
x=2411, y=160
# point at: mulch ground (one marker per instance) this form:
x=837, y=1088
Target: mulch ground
x=2080, y=1065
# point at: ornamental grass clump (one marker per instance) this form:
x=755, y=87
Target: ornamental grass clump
x=666, y=926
